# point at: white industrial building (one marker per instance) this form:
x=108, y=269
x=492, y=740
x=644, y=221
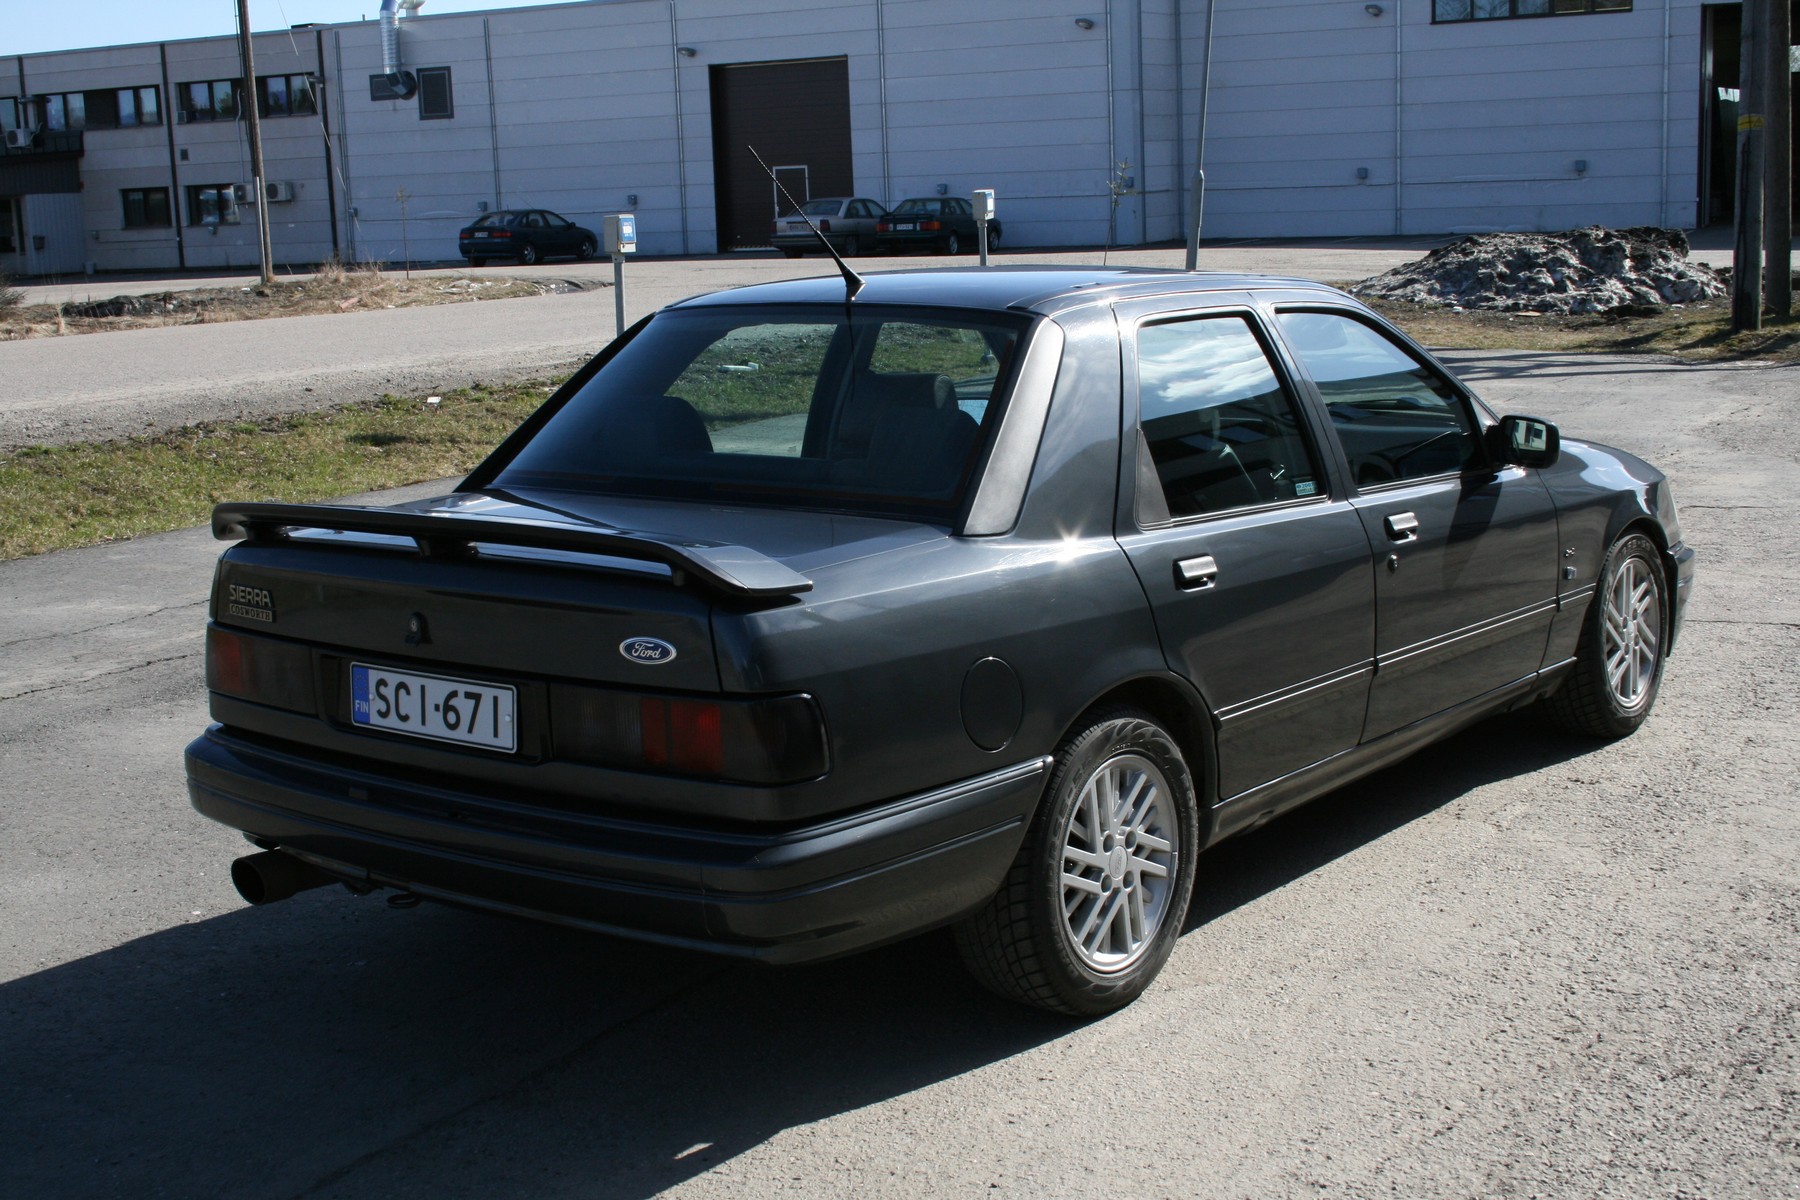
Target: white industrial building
x=1322, y=117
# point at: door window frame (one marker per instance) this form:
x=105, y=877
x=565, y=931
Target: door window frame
x=1138, y=474
x=1479, y=415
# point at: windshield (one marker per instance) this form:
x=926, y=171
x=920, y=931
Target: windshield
x=796, y=407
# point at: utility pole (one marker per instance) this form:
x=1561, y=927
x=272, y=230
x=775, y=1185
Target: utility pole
x=1778, y=212
x=248, y=101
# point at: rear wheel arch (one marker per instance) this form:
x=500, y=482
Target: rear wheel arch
x=1177, y=708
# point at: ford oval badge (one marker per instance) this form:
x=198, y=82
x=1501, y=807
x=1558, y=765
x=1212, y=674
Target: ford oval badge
x=653, y=652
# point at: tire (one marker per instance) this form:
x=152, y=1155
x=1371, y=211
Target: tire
x=792, y=251
x=993, y=238
x=586, y=250
x=1091, y=940
x=527, y=254
x=1619, y=659
x=478, y=262
x=852, y=247
x=952, y=243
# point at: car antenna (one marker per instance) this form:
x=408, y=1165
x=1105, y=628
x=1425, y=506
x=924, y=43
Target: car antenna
x=852, y=281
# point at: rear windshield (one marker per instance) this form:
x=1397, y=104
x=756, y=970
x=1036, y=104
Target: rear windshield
x=797, y=407
x=920, y=206
x=497, y=218
x=821, y=208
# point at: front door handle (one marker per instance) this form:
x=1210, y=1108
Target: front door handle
x=1402, y=527
x=1196, y=573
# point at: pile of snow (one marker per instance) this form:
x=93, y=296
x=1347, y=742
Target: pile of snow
x=1579, y=271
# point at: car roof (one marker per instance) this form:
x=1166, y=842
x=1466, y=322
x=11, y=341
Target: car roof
x=1042, y=289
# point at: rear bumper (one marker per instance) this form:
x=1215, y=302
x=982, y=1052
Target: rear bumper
x=794, y=896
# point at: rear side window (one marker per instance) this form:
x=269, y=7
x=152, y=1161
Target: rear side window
x=1397, y=418
x=1220, y=427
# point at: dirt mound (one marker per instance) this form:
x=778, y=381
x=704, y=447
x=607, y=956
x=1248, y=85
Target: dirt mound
x=1589, y=270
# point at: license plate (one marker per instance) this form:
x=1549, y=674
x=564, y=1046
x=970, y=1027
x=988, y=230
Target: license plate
x=434, y=706
x=904, y=227
x=481, y=235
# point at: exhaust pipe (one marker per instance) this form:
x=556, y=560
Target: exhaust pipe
x=270, y=876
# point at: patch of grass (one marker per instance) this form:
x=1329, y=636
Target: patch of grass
x=57, y=497
x=1694, y=333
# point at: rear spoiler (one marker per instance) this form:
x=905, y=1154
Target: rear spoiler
x=735, y=570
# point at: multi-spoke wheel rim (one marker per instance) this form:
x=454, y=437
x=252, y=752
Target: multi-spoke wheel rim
x=1631, y=626
x=1120, y=849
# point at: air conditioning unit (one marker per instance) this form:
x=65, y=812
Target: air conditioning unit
x=20, y=139
x=243, y=193
x=278, y=192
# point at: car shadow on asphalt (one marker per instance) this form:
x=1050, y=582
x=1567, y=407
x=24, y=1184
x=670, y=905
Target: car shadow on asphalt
x=1242, y=869
x=331, y=1046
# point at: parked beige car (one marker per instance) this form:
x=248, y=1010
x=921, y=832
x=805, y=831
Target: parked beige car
x=848, y=223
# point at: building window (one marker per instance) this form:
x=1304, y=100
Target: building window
x=285, y=96
x=212, y=204
x=146, y=208
x=208, y=100
x=138, y=106
x=106, y=108
x=1443, y=11
x=435, y=101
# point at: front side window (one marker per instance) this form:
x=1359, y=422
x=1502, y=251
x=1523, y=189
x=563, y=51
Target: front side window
x=1397, y=418
x=212, y=204
x=884, y=412
x=1220, y=427
x=146, y=208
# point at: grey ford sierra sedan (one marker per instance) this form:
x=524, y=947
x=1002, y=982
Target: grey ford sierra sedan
x=812, y=615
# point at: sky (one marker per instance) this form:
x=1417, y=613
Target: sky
x=35, y=26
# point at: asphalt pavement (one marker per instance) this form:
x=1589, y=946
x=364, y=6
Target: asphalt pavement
x=1518, y=964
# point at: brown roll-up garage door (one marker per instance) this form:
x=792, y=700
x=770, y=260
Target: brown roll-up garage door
x=796, y=115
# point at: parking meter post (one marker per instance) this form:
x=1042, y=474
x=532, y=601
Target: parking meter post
x=982, y=200
x=618, y=295
x=620, y=235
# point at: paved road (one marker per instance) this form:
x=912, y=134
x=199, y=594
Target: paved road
x=1516, y=965
x=90, y=387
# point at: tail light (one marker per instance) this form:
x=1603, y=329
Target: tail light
x=824, y=226
x=260, y=670
x=882, y=227
x=931, y=226
x=767, y=741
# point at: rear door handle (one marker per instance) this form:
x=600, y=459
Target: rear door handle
x=1196, y=573
x=1402, y=527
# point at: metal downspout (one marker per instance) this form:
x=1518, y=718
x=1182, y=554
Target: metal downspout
x=1142, y=147
x=169, y=110
x=343, y=144
x=887, y=179
x=681, y=186
x=325, y=129
x=1112, y=136
x=1662, y=208
x=487, y=50
x=1399, y=194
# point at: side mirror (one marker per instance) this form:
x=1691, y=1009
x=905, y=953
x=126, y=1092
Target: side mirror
x=1525, y=441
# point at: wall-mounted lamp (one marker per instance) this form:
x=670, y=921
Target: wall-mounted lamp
x=1362, y=172
x=1581, y=166
x=631, y=200
x=481, y=206
x=1084, y=22
x=943, y=189
x=686, y=51
x=1374, y=10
